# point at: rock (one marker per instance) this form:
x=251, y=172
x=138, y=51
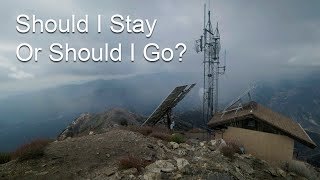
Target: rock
x=248, y=156
x=245, y=167
x=161, y=154
x=152, y=176
x=173, y=145
x=237, y=174
x=109, y=172
x=182, y=152
x=221, y=143
x=281, y=172
x=273, y=172
x=185, y=146
x=42, y=173
x=181, y=163
x=223, y=176
x=292, y=174
x=213, y=143
x=177, y=176
x=131, y=176
x=161, y=166
x=91, y=133
x=211, y=148
x=130, y=171
x=29, y=172
x=218, y=167
x=202, y=144
x=196, y=158
x=193, y=141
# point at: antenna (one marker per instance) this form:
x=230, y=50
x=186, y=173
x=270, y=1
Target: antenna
x=238, y=101
x=209, y=44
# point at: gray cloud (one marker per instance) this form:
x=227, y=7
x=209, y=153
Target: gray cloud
x=264, y=40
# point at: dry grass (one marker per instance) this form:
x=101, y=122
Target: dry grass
x=160, y=132
x=162, y=136
x=130, y=161
x=4, y=158
x=144, y=130
x=161, y=129
x=32, y=150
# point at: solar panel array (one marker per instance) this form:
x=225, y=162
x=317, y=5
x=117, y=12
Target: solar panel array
x=170, y=102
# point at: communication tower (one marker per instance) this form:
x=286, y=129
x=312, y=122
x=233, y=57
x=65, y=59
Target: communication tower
x=209, y=44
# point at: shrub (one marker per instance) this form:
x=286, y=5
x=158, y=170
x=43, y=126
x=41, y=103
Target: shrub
x=4, y=158
x=162, y=136
x=130, y=161
x=227, y=151
x=178, y=138
x=124, y=122
x=301, y=169
x=144, y=130
x=32, y=150
x=235, y=146
x=230, y=149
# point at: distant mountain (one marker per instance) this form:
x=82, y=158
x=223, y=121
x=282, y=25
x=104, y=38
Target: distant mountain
x=45, y=113
x=300, y=100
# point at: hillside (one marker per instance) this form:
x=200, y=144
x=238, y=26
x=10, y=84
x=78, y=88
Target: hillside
x=101, y=122
x=103, y=156
x=298, y=99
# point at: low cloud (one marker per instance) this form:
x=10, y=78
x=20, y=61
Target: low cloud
x=13, y=71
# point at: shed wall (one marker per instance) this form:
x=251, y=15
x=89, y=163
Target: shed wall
x=275, y=149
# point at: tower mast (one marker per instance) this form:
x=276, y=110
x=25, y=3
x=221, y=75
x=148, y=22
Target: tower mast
x=209, y=44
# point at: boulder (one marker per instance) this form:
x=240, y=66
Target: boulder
x=152, y=176
x=213, y=143
x=161, y=166
x=181, y=163
x=281, y=172
x=182, y=152
x=185, y=146
x=202, y=144
x=130, y=171
x=173, y=145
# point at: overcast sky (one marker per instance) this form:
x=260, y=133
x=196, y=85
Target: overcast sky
x=264, y=39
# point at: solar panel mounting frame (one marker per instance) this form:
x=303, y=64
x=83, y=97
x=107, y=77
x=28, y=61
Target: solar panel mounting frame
x=176, y=95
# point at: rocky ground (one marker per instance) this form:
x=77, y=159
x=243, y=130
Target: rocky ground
x=97, y=156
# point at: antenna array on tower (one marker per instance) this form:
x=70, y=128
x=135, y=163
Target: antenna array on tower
x=209, y=44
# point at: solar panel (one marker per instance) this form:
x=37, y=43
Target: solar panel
x=176, y=95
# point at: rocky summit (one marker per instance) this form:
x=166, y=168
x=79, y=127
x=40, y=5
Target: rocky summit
x=121, y=153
